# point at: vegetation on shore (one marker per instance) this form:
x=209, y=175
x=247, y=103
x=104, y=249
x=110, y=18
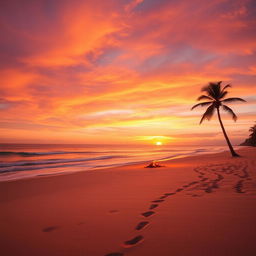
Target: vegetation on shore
x=251, y=141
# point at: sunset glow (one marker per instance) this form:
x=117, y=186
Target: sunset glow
x=124, y=71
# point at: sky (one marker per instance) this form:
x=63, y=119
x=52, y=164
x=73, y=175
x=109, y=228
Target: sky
x=124, y=71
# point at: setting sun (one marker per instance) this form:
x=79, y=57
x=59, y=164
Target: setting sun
x=158, y=143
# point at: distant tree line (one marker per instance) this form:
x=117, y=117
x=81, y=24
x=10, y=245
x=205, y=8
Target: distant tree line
x=251, y=141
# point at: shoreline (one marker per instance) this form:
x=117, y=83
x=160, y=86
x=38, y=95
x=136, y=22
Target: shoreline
x=163, y=160
x=188, y=207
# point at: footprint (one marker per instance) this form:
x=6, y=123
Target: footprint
x=157, y=201
x=220, y=177
x=153, y=206
x=50, y=229
x=163, y=197
x=141, y=225
x=238, y=187
x=114, y=254
x=133, y=241
x=208, y=190
x=148, y=213
x=169, y=194
x=215, y=184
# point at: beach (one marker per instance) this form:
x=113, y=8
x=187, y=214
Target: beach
x=198, y=205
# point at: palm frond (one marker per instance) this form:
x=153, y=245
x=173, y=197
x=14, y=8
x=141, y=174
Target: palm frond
x=230, y=111
x=223, y=91
x=202, y=104
x=225, y=87
x=216, y=88
x=208, y=113
x=213, y=90
x=223, y=94
x=233, y=100
x=252, y=129
x=204, y=97
x=208, y=90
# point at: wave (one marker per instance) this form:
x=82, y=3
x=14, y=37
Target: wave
x=20, y=168
x=6, y=153
x=56, y=161
x=27, y=154
x=14, y=169
x=18, y=172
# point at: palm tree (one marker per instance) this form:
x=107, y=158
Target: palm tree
x=253, y=135
x=215, y=95
x=253, y=131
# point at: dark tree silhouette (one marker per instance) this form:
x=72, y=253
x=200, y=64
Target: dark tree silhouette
x=215, y=95
x=252, y=136
x=251, y=141
x=253, y=132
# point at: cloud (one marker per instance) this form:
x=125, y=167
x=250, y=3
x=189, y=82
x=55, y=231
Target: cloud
x=121, y=67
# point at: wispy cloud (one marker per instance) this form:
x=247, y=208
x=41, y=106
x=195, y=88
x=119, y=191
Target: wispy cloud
x=121, y=68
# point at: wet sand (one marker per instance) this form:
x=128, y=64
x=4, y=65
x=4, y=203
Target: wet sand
x=202, y=205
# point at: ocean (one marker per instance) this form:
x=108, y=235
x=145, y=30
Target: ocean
x=19, y=161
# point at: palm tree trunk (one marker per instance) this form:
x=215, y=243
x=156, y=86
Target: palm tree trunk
x=232, y=151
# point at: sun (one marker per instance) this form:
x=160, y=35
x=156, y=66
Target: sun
x=159, y=143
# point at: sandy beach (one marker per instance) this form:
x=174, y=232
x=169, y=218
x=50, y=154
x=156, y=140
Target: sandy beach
x=201, y=205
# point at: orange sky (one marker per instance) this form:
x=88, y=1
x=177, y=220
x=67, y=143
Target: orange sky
x=125, y=71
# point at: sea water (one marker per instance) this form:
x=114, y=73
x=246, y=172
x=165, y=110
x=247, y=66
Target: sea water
x=19, y=161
